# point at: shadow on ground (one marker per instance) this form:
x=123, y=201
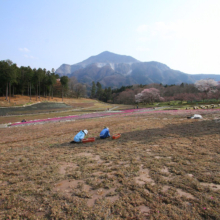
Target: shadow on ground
x=192, y=129
x=36, y=108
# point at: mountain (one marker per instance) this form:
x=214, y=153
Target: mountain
x=100, y=60
x=108, y=57
x=119, y=70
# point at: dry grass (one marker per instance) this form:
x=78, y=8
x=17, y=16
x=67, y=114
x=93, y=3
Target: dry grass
x=163, y=167
x=79, y=106
x=19, y=100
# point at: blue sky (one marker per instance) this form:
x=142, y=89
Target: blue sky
x=183, y=34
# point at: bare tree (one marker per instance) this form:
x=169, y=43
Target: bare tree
x=72, y=84
x=126, y=97
x=136, y=89
x=80, y=90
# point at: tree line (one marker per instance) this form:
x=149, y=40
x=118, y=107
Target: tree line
x=148, y=94
x=41, y=82
x=36, y=82
x=99, y=93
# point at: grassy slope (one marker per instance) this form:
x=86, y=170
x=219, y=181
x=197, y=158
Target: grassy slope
x=79, y=106
x=163, y=167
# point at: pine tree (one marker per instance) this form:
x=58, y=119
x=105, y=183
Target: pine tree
x=93, y=90
x=99, y=90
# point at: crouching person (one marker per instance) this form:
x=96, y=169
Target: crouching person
x=78, y=138
x=105, y=133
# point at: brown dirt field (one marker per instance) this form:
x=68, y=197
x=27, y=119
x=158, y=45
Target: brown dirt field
x=162, y=167
x=19, y=100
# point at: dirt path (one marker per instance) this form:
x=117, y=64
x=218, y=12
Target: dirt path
x=111, y=113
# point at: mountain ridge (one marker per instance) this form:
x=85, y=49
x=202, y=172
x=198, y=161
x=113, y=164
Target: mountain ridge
x=116, y=70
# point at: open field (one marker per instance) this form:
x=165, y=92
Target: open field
x=76, y=107
x=19, y=100
x=164, y=166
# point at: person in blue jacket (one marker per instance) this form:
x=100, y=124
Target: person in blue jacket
x=105, y=133
x=78, y=138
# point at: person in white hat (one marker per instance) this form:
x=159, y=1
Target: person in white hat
x=81, y=135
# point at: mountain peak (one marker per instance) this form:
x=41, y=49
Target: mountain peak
x=106, y=52
x=108, y=57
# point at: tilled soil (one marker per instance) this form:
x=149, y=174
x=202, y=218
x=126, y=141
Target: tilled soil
x=164, y=166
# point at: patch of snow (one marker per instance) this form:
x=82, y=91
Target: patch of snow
x=112, y=65
x=100, y=65
x=129, y=72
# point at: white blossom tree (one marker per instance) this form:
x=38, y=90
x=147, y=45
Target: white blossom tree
x=206, y=85
x=148, y=96
x=218, y=92
x=138, y=97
